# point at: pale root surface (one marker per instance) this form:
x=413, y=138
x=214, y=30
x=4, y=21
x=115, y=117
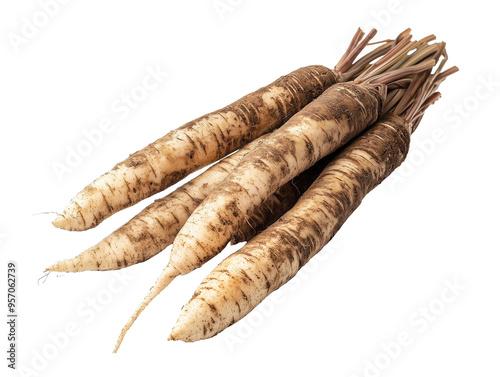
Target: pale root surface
x=338, y=115
x=268, y=261
x=192, y=146
x=155, y=227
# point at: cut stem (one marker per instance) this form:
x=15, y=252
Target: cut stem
x=354, y=50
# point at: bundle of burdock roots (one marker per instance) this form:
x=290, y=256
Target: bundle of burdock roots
x=308, y=148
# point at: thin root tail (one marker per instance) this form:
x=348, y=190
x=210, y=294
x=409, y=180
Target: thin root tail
x=166, y=277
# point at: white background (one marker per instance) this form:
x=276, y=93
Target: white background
x=433, y=223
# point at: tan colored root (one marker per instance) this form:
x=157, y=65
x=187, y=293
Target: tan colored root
x=338, y=115
x=156, y=226
x=341, y=113
x=278, y=203
x=166, y=277
x=192, y=146
x=184, y=263
x=268, y=261
x=209, y=138
x=272, y=258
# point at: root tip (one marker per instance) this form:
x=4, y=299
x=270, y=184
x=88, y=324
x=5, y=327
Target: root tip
x=62, y=266
x=58, y=221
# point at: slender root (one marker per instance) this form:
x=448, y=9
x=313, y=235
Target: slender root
x=166, y=277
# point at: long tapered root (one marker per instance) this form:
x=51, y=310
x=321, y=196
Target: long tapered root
x=211, y=137
x=338, y=115
x=245, y=278
x=194, y=145
x=235, y=287
x=342, y=112
x=155, y=227
x=166, y=277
